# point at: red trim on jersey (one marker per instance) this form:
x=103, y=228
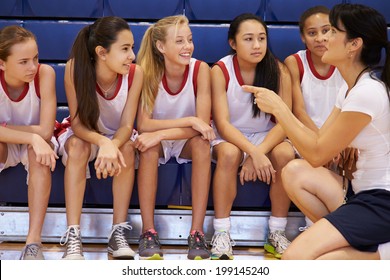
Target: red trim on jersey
x=224, y=72
x=183, y=83
x=314, y=71
x=60, y=128
x=4, y=85
x=36, y=83
x=195, y=76
x=300, y=66
x=131, y=76
x=237, y=71
x=118, y=86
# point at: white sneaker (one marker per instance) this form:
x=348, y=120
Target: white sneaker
x=222, y=245
x=74, y=247
x=277, y=243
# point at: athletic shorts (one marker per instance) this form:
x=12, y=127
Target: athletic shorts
x=173, y=148
x=255, y=138
x=18, y=153
x=364, y=220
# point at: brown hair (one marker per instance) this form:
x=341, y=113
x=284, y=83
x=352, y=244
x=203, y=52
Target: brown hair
x=10, y=36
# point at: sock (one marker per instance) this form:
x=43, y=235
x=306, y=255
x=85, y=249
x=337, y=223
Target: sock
x=308, y=222
x=222, y=224
x=277, y=223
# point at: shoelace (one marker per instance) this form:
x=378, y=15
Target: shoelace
x=302, y=229
x=30, y=250
x=73, y=239
x=118, y=231
x=199, y=241
x=222, y=240
x=280, y=239
x=150, y=239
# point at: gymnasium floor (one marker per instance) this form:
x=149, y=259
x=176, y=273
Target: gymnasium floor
x=11, y=251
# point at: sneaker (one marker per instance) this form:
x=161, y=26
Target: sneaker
x=149, y=246
x=74, y=248
x=117, y=244
x=197, y=246
x=222, y=245
x=277, y=243
x=32, y=251
x=302, y=229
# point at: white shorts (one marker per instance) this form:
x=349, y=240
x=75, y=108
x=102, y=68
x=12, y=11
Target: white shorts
x=254, y=138
x=173, y=148
x=18, y=153
x=94, y=148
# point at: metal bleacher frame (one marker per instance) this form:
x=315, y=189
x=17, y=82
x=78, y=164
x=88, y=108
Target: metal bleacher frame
x=249, y=221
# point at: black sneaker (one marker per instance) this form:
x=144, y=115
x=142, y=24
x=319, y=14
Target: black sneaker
x=118, y=247
x=197, y=246
x=149, y=246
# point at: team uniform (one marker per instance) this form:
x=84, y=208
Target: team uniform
x=169, y=105
x=24, y=111
x=364, y=220
x=110, y=115
x=240, y=106
x=319, y=92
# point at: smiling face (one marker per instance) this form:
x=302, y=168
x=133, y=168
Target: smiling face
x=250, y=42
x=21, y=65
x=121, y=54
x=178, y=46
x=315, y=33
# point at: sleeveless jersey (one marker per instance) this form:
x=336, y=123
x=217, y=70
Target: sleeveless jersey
x=26, y=109
x=169, y=105
x=111, y=109
x=240, y=102
x=319, y=92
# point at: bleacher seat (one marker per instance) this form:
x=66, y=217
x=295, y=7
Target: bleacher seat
x=143, y=10
x=4, y=23
x=11, y=8
x=380, y=5
x=55, y=38
x=210, y=41
x=138, y=30
x=284, y=40
x=290, y=11
x=59, y=68
x=221, y=10
x=63, y=9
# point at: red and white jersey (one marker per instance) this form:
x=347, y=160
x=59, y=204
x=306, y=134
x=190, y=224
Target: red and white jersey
x=319, y=92
x=240, y=102
x=111, y=109
x=170, y=105
x=26, y=109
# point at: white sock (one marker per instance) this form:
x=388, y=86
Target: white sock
x=308, y=222
x=277, y=223
x=222, y=224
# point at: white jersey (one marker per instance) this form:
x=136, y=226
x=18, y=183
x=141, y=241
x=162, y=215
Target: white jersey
x=169, y=105
x=240, y=102
x=369, y=96
x=111, y=109
x=319, y=92
x=26, y=109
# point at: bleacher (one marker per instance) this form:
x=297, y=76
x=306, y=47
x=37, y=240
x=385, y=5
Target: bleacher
x=56, y=23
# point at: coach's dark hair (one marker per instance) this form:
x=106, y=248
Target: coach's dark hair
x=359, y=21
x=267, y=70
x=309, y=12
x=103, y=32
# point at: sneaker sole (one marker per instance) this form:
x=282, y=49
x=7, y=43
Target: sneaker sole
x=198, y=258
x=73, y=258
x=223, y=257
x=155, y=257
x=121, y=255
x=271, y=249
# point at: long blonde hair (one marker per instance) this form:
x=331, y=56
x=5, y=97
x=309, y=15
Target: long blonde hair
x=152, y=61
